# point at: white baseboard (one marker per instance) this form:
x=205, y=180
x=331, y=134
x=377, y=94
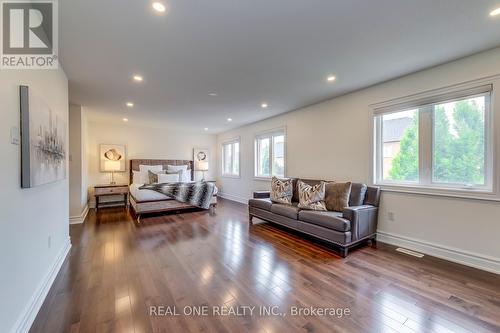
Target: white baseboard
x=80, y=218
x=480, y=261
x=233, y=197
x=27, y=317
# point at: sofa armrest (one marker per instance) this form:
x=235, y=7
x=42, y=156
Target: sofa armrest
x=363, y=220
x=261, y=194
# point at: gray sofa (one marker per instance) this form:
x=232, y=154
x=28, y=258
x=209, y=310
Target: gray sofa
x=355, y=224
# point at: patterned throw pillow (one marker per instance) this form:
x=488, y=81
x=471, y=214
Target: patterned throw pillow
x=311, y=197
x=337, y=196
x=281, y=190
x=153, y=176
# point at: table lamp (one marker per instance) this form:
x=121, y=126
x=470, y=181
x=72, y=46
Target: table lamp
x=112, y=166
x=203, y=167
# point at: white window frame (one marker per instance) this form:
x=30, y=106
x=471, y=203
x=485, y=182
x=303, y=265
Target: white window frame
x=425, y=185
x=269, y=134
x=234, y=157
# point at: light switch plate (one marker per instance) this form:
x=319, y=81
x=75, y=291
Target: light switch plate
x=15, y=136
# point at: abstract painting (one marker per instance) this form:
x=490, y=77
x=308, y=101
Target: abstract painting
x=43, y=141
x=112, y=153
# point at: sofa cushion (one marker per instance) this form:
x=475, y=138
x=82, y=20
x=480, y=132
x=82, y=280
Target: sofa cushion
x=337, y=195
x=312, y=182
x=281, y=190
x=358, y=192
x=291, y=211
x=329, y=220
x=260, y=203
x=311, y=197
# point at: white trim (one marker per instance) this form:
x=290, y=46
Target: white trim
x=441, y=192
x=476, y=260
x=79, y=218
x=263, y=179
x=27, y=317
x=233, y=198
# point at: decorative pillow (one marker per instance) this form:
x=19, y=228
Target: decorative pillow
x=186, y=173
x=146, y=168
x=172, y=172
x=140, y=177
x=281, y=190
x=337, y=195
x=153, y=176
x=311, y=197
x=168, y=178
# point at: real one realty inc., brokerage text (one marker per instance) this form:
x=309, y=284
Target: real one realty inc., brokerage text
x=247, y=310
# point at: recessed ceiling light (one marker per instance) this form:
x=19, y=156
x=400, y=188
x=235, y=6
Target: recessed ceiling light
x=206, y=128
x=264, y=105
x=229, y=119
x=125, y=119
x=138, y=78
x=495, y=12
x=331, y=78
x=213, y=94
x=159, y=7
x=130, y=104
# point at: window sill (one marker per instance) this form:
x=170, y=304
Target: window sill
x=473, y=194
x=267, y=179
x=231, y=176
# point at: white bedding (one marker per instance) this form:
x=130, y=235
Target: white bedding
x=150, y=195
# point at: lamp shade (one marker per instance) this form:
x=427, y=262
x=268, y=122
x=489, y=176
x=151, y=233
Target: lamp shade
x=112, y=166
x=202, y=166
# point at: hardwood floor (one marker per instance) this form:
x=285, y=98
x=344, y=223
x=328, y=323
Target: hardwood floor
x=117, y=270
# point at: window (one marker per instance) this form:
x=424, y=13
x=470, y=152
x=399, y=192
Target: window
x=231, y=158
x=270, y=155
x=439, y=142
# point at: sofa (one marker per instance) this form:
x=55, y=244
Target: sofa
x=355, y=224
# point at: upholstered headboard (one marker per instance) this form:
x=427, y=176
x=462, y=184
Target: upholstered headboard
x=134, y=165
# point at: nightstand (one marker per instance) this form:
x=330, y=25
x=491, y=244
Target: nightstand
x=109, y=190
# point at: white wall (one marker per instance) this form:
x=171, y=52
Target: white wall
x=28, y=217
x=144, y=142
x=332, y=140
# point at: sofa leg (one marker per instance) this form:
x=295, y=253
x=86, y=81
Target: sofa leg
x=344, y=251
x=250, y=218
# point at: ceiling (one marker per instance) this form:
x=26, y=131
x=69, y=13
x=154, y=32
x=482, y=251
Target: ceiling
x=248, y=52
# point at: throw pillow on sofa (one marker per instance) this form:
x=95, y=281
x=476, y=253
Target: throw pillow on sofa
x=282, y=190
x=337, y=195
x=311, y=197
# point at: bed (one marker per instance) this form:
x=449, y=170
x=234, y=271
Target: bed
x=147, y=201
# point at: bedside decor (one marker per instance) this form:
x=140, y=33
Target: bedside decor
x=112, y=159
x=108, y=152
x=201, y=159
x=43, y=141
x=203, y=167
x=112, y=166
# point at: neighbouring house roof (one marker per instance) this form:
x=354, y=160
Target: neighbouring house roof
x=395, y=128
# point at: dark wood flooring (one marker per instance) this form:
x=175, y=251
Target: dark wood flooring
x=117, y=270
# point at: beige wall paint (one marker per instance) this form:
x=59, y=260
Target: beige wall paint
x=144, y=142
x=29, y=217
x=332, y=140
